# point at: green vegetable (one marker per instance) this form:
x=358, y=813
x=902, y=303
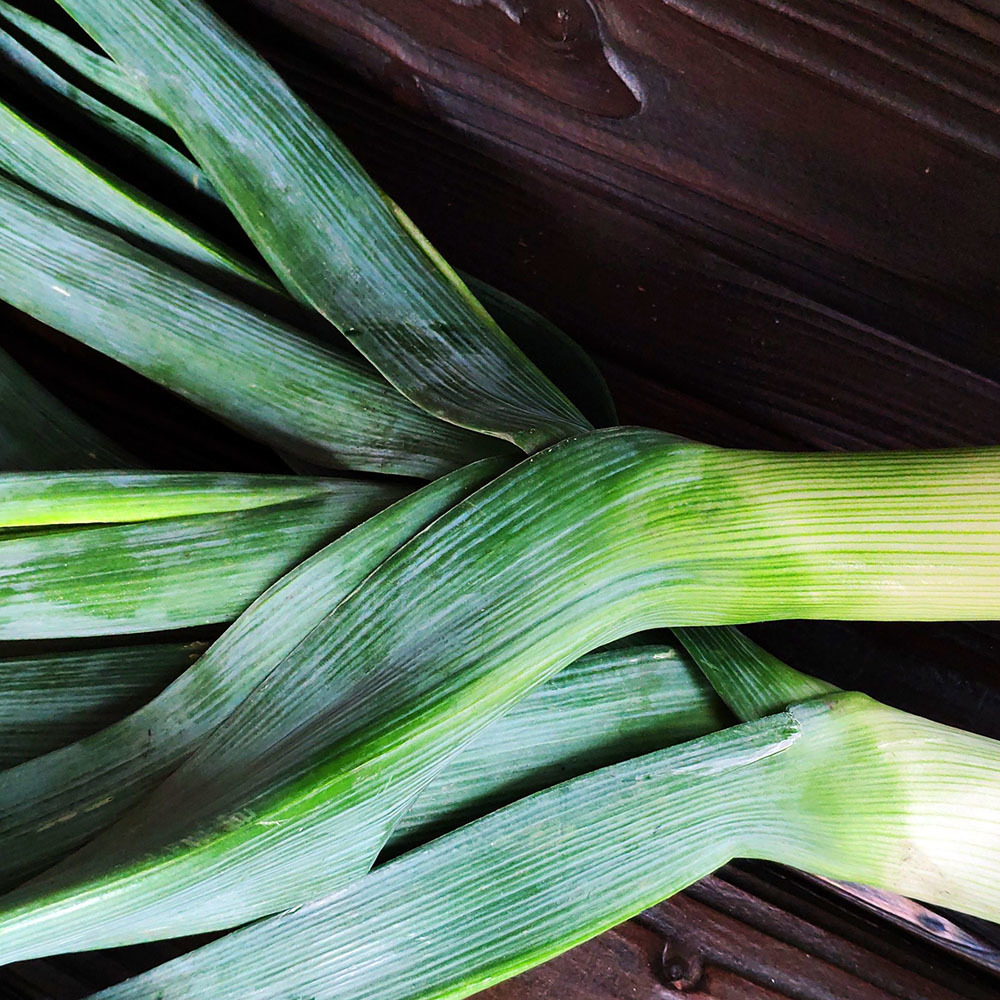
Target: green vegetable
x=94, y=67
x=53, y=84
x=51, y=805
x=41, y=160
x=840, y=786
x=297, y=791
x=170, y=572
x=280, y=385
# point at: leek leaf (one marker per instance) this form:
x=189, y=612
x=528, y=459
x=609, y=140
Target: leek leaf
x=602, y=709
x=93, y=66
x=157, y=149
x=277, y=384
x=322, y=225
x=842, y=786
x=54, y=699
x=750, y=680
x=556, y=354
x=167, y=573
x=41, y=160
x=600, y=536
x=63, y=498
x=50, y=805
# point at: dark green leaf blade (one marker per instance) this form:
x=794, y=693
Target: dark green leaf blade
x=42, y=161
x=37, y=431
x=157, y=149
x=168, y=573
x=98, y=69
x=50, y=700
x=322, y=225
x=51, y=805
x=276, y=383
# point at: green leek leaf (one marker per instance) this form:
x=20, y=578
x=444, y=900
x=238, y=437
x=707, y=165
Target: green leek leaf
x=602, y=709
x=167, y=573
x=750, y=680
x=54, y=699
x=91, y=65
x=151, y=145
x=322, y=226
x=51, y=805
x=39, y=159
x=843, y=787
x=277, y=384
x=62, y=498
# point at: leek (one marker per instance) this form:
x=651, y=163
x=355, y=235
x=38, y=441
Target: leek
x=321, y=224
x=368, y=698
x=297, y=791
x=53, y=804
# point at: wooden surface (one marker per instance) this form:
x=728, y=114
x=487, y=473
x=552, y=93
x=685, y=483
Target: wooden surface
x=774, y=224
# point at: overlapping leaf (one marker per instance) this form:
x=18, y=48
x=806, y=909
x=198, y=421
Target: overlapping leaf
x=43, y=161
x=276, y=383
x=750, y=680
x=168, y=573
x=600, y=710
x=158, y=150
x=50, y=805
x=91, y=65
x=841, y=786
x=319, y=221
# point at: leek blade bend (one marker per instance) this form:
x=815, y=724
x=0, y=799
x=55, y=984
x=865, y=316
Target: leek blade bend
x=51, y=805
x=280, y=385
x=840, y=786
x=322, y=225
x=596, y=538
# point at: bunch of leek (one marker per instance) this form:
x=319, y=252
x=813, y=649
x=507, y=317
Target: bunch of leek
x=398, y=660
